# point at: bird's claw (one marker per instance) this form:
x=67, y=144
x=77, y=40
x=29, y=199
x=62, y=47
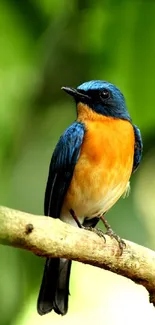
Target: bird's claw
x=120, y=241
x=100, y=232
x=112, y=234
x=97, y=231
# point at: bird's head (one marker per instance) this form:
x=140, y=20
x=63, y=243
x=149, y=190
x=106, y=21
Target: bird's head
x=102, y=97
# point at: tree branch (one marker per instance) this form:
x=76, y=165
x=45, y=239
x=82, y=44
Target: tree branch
x=50, y=237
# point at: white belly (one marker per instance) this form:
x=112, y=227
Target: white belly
x=90, y=209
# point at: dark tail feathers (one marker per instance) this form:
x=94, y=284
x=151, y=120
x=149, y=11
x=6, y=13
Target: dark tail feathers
x=54, y=289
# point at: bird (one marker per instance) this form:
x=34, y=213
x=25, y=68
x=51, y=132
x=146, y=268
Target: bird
x=90, y=170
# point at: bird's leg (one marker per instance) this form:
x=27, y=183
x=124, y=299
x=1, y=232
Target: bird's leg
x=75, y=218
x=99, y=232
x=112, y=234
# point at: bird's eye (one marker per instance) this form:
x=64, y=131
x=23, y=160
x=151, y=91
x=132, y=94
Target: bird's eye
x=105, y=94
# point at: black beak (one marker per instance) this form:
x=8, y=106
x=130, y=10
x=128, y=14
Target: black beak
x=77, y=94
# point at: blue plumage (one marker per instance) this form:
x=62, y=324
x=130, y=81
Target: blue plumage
x=61, y=168
x=113, y=106
x=97, y=85
x=138, y=148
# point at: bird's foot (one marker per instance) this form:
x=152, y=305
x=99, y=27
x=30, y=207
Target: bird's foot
x=120, y=241
x=97, y=231
x=100, y=232
x=112, y=234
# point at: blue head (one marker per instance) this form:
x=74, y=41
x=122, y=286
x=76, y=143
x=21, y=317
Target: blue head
x=102, y=97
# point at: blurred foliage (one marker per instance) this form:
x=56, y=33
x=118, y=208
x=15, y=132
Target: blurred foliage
x=45, y=45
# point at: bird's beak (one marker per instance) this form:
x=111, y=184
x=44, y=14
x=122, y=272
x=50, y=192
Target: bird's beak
x=77, y=94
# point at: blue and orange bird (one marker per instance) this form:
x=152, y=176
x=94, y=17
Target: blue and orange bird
x=89, y=171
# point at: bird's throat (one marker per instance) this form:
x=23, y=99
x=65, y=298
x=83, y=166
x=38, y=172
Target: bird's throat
x=86, y=113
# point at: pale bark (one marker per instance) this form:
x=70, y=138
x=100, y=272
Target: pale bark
x=50, y=237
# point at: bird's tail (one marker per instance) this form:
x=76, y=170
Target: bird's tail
x=54, y=289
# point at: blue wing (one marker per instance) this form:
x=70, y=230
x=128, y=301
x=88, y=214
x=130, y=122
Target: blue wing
x=61, y=169
x=138, y=148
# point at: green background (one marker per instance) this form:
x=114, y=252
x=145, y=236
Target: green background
x=45, y=45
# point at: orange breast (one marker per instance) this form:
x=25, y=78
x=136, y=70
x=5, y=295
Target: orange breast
x=104, y=167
